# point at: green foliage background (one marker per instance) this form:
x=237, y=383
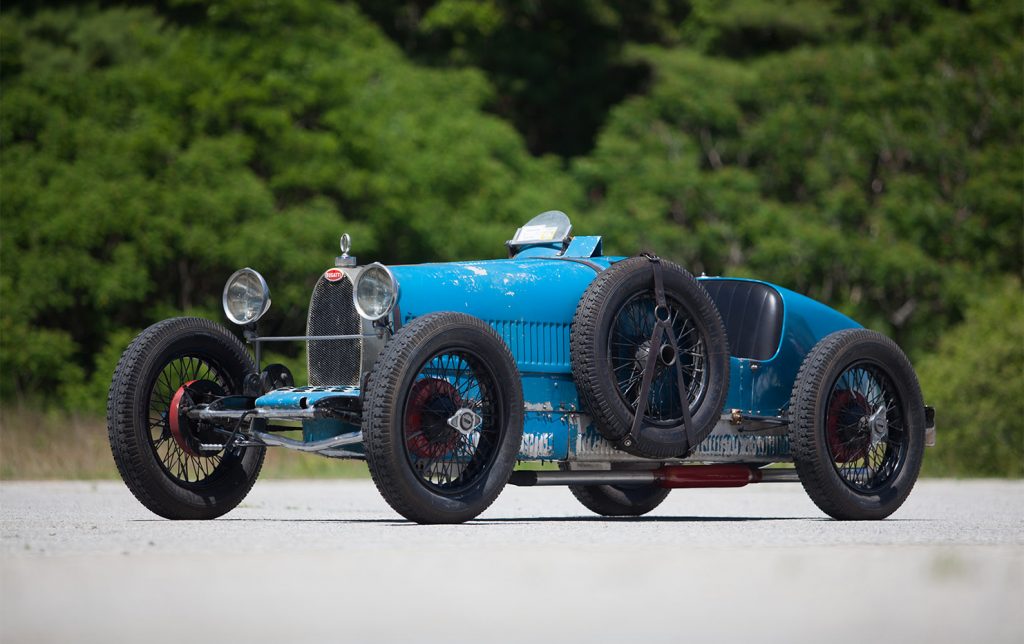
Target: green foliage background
x=866, y=153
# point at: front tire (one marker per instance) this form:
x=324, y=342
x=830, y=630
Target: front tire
x=857, y=424
x=157, y=458
x=441, y=370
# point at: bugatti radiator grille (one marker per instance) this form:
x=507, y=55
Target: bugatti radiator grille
x=331, y=312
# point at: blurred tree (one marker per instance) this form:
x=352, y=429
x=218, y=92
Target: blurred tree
x=980, y=361
x=886, y=181
x=744, y=28
x=143, y=162
x=556, y=66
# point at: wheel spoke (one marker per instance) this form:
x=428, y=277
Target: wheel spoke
x=444, y=459
x=628, y=344
x=859, y=394
x=187, y=468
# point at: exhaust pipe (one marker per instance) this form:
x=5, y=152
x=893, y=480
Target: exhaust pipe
x=667, y=476
x=678, y=476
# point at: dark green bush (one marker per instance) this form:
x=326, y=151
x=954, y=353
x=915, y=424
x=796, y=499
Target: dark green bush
x=975, y=380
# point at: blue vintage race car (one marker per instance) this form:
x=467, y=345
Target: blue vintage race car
x=629, y=373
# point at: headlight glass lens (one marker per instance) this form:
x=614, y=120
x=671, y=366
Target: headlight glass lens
x=376, y=292
x=246, y=296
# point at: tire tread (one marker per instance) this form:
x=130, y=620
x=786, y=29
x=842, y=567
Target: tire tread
x=818, y=477
x=601, y=499
x=382, y=395
x=127, y=452
x=585, y=326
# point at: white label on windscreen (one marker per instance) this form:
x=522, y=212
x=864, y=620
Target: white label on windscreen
x=537, y=233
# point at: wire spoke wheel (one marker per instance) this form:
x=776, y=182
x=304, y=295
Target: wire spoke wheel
x=865, y=427
x=629, y=334
x=443, y=418
x=630, y=344
x=448, y=459
x=176, y=456
x=856, y=426
x=164, y=457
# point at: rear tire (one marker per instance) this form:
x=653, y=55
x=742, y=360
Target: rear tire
x=160, y=469
x=857, y=424
x=439, y=367
x=619, y=500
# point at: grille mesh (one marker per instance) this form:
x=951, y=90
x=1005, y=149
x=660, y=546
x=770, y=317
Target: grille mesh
x=331, y=312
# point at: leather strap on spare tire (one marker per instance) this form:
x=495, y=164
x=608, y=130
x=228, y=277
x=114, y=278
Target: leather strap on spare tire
x=650, y=357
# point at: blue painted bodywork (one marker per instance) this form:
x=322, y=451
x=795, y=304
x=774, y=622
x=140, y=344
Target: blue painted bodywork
x=763, y=387
x=302, y=397
x=530, y=301
x=296, y=398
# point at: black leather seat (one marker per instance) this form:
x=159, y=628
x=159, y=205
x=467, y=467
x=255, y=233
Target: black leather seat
x=752, y=314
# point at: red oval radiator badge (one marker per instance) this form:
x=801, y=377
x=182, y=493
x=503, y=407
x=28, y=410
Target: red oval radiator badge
x=333, y=274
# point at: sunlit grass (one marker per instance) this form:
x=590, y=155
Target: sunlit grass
x=37, y=445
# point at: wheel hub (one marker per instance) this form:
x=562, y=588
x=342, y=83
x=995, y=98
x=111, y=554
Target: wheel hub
x=184, y=430
x=848, y=430
x=465, y=421
x=433, y=402
x=642, y=351
x=666, y=356
x=878, y=425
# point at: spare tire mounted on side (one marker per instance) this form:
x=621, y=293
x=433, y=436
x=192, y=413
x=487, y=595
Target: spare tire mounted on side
x=646, y=337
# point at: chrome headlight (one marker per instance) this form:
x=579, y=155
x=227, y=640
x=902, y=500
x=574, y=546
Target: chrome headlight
x=375, y=292
x=246, y=297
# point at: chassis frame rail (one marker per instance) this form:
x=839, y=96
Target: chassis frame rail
x=667, y=476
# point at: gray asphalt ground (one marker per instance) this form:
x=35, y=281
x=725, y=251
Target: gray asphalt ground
x=322, y=561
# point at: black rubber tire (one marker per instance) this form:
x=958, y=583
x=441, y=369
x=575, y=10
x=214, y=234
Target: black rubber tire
x=128, y=430
x=618, y=500
x=821, y=369
x=384, y=414
x=592, y=369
